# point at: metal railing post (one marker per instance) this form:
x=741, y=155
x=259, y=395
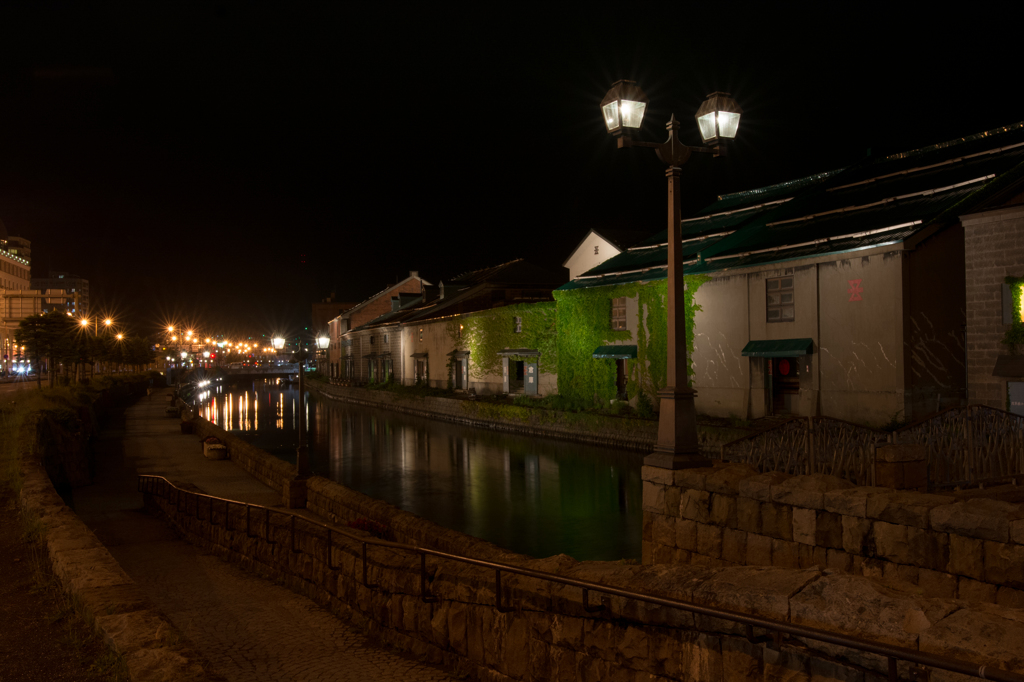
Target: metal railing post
x=424, y=595
x=294, y=549
x=330, y=550
x=267, y=539
x=366, y=582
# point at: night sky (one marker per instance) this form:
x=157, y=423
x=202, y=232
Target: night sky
x=226, y=164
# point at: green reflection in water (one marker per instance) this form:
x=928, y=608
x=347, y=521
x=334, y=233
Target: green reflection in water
x=534, y=496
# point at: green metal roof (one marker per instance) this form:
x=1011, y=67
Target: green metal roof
x=615, y=352
x=778, y=348
x=875, y=202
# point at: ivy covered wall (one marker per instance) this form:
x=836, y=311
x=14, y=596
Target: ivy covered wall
x=486, y=333
x=584, y=323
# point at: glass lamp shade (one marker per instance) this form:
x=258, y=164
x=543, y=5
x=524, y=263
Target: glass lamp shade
x=322, y=342
x=718, y=118
x=278, y=343
x=623, y=107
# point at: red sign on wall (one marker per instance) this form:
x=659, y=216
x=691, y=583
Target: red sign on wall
x=855, y=289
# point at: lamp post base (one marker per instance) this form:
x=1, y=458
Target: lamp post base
x=677, y=432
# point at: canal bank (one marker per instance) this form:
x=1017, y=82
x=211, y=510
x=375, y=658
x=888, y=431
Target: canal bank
x=627, y=433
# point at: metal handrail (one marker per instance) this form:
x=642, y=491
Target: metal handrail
x=777, y=628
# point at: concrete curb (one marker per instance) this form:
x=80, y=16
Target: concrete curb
x=111, y=602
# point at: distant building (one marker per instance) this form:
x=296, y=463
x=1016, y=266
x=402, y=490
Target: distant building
x=15, y=276
x=599, y=245
x=65, y=292
x=361, y=313
x=326, y=310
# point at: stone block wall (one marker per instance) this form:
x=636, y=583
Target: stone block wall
x=731, y=515
x=994, y=249
x=631, y=434
x=543, y=632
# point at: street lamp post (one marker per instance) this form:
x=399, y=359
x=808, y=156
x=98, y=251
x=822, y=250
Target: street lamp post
x=623, y=109
x=295, y=487
x=322, y=343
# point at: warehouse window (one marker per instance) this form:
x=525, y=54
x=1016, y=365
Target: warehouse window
x=779, y=291
x=619, y=313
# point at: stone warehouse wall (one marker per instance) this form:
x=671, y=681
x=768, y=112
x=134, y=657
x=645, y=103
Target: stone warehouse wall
x=632, y=434
x=544, y=633
x=994, y=250
x=730, y=515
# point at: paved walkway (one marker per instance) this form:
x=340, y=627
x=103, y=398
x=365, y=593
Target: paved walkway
x=248, y=629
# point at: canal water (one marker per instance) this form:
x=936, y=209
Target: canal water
x=530, y=495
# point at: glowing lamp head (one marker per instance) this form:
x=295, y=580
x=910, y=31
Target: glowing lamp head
x=184, y=355
x=278, y=342
x=718, y=118
x=85, y=323
x=108, y=321
x=120, y=337
x=623, y=108
x=322, y=342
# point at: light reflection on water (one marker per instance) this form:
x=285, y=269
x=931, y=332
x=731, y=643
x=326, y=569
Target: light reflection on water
x=534, y=496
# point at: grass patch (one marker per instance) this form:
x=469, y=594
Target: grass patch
x=66, y=612
x=61, y=403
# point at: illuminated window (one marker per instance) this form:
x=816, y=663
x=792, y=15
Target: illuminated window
x=619, y=313
x=779, y=292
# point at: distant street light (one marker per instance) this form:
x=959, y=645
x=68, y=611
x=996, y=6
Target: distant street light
x=322, y=344
x=718, y=118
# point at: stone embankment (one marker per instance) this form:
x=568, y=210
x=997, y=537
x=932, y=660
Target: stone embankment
x=945, y=547
x=583, y=427
x=152, y=648
x=543, y=631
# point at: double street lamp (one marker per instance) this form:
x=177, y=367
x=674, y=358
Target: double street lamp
x=718, y=118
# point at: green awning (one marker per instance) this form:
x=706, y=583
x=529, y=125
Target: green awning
x=778, y=348
x=615, y=352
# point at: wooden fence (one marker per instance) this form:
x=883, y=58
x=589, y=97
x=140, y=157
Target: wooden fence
x=811, y=445
x=966, y=446
x=969, y=446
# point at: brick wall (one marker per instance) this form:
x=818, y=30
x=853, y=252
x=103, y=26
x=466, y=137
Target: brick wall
x=730, y=515
x=994, y=249
x=382, y=302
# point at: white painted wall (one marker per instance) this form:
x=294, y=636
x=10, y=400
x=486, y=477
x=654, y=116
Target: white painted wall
x=584, y=258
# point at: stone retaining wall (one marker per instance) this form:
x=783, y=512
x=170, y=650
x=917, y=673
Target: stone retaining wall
x=110, y=601
x=730, y=515
x=626, y=433
x=544, y=633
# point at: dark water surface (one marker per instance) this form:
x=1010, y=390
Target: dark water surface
x=534, y=496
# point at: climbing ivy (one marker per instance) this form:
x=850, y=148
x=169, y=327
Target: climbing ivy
x=584, y=317
x=1015, y=334
x=486, y=333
